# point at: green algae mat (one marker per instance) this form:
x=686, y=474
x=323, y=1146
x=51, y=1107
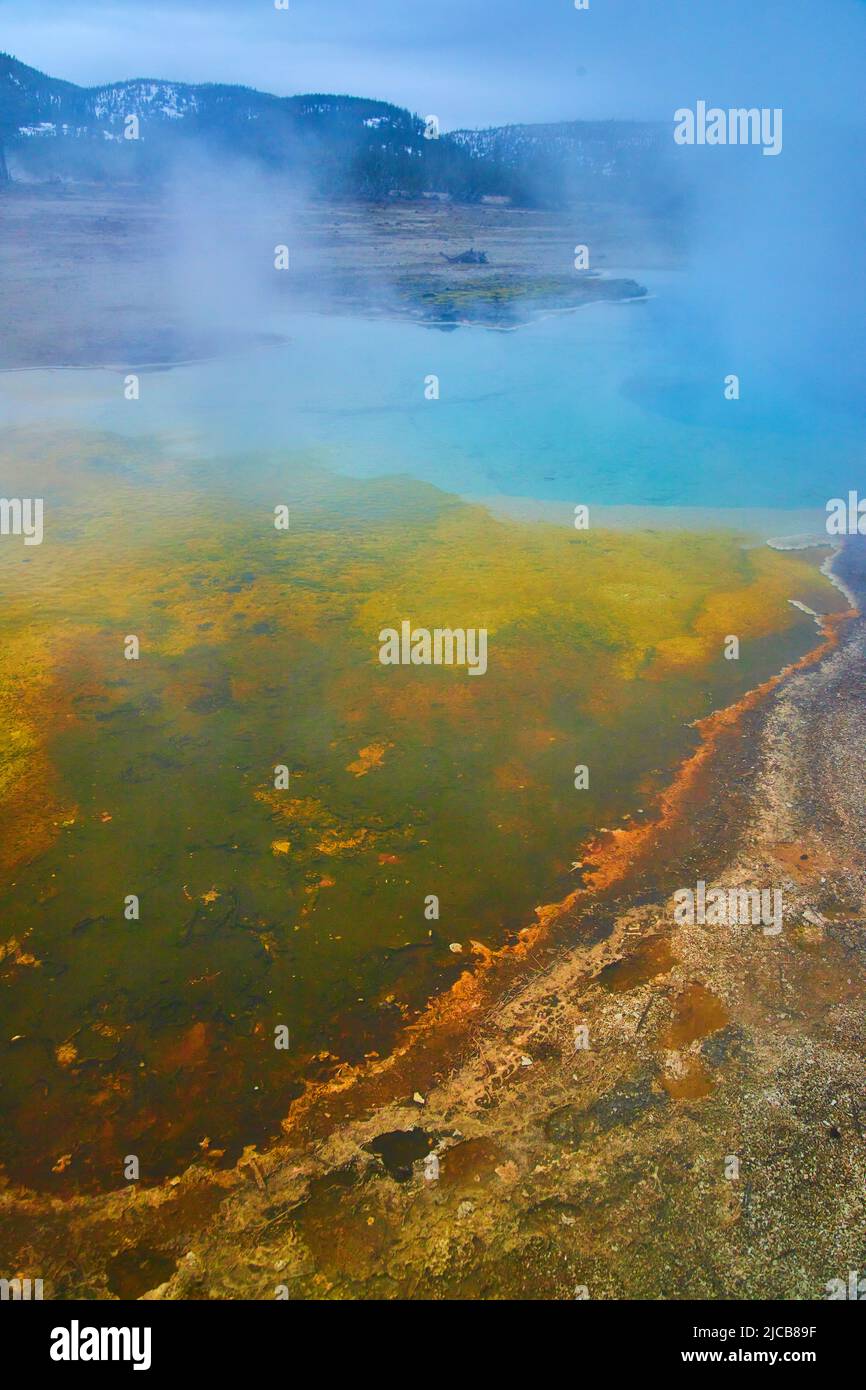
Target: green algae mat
x=244, y=830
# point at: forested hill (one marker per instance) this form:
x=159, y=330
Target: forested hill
x=340, y=146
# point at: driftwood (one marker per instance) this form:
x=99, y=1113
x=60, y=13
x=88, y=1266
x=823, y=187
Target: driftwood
x=466, y=258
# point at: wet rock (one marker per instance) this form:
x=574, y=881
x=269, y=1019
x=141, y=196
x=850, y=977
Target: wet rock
x=137, y=1270
x=731, y=1044
x=399, y=1149
x=547, y=1217
x=625, y=1103
x=470, y=1162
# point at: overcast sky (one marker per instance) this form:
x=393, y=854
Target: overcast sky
x=471, y=62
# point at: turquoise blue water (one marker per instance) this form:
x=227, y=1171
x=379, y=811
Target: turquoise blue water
x=615, y=403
